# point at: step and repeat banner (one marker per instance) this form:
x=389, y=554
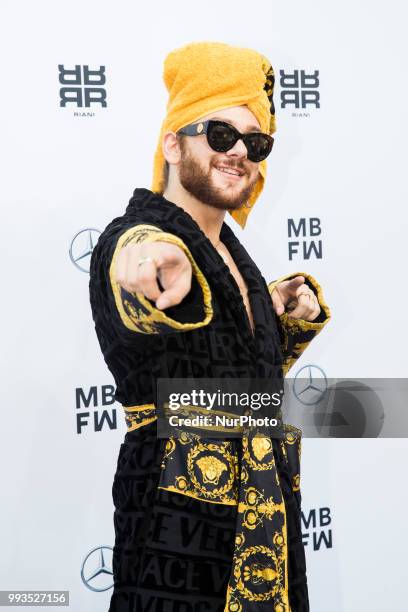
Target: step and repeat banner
x=82, y=104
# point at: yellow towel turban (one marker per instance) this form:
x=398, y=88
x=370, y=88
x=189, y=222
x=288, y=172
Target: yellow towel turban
x=204, y=77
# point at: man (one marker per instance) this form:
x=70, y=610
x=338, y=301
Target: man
x=203, y=525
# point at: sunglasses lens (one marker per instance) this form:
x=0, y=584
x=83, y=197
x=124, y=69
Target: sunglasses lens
x=221, y=137
x=259, y=146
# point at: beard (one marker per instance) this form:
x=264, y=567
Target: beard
x=200, y=184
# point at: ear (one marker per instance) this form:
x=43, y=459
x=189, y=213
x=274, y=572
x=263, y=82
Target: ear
x=171, y=148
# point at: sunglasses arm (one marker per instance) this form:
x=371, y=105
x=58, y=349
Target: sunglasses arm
x=194, y=129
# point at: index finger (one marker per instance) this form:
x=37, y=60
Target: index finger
x=173, y=295
x=294, y=284
x=277, y=301
x=146, y=279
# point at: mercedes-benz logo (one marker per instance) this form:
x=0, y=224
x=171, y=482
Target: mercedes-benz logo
x=96, y=571
x=82, y=246
x=310, y=385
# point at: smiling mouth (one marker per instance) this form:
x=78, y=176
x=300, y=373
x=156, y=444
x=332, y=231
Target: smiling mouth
x=231, y=173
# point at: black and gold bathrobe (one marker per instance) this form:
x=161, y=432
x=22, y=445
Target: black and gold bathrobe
x=200, y=525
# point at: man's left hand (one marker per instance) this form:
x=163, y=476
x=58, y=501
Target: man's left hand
x=298, y=299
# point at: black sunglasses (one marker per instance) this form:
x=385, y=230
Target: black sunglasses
x=222, y=137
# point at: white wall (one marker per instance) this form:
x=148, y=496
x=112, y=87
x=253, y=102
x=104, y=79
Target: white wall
x=342, y=164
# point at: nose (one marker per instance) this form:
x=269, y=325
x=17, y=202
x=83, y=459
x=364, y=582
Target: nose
x=239, y=149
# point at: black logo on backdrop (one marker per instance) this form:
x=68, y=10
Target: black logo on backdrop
x=95, y=409
x=299, y=90
x=81, y=86
x=82, y=246
x=308, y=228
x=318, y=532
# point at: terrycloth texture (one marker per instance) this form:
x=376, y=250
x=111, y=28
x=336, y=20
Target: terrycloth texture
x=161, y=543
x=204, y=77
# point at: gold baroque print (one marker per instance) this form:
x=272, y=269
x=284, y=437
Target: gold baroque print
x=283, y=448
x=182, y=438
x=269, y=87
x=296, y=482
x=291, y=447
x=291, y=438
x=239, y=540
x=201, y=469
x=255, y=449
x=139, y=233
x=261, y=447
x=138, y=416
x=211, y=468
x=244, y=475
x=144, y=321
x=169, y=448
x=255, y=508
x=259, y=573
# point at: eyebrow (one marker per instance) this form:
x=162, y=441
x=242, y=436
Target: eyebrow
x=249, y=128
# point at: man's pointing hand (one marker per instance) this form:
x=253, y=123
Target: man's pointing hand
x=299, y=299
x=166, y=261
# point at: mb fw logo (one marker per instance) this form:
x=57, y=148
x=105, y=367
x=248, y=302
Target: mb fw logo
x=305, y=238
x=95, y=408
x=317, y=526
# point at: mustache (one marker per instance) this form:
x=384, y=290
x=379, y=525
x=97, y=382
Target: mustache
x=237, y=166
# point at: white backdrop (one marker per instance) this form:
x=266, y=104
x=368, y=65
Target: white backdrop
x=70, y=169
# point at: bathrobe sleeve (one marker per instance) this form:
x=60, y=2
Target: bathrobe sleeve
x=296, y=334
x=132, y=314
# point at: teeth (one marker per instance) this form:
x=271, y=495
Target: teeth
x=228, y=171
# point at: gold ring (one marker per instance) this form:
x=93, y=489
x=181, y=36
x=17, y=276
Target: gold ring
x=144, y=259
x=308, y=294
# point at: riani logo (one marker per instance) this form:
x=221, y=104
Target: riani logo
x=304, y=238
x=82, y=87
x=299, y=90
